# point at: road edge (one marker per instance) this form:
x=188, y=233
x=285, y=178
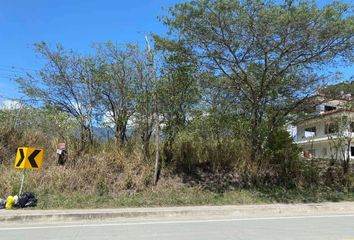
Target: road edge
x=34, y=215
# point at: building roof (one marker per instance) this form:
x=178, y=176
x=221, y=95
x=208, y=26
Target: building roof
x=323, y=114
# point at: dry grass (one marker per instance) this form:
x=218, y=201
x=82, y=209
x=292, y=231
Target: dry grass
x=112, y=179
x=105, y=173
x=108, y=176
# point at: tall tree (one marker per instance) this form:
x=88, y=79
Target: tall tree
x=178, y=90
x=143, y=117
x=269, y=52
x=65, y=83
x=116, y=83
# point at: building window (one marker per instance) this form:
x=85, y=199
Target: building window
x=331, y=128
x=310, y=132
x=352, y=151
x=329, y=108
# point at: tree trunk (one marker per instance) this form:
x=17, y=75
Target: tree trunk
x=86, y=137
x=120, y=134
x=346, y=165
x=145, y=147
x=256, y=143
x=167, y=151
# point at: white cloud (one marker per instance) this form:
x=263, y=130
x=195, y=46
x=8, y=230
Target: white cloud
x=109, y=121
x=10, y=105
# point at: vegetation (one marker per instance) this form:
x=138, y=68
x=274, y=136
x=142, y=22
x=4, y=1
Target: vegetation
x=223, y=86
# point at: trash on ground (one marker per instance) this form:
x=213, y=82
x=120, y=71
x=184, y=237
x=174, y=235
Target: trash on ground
x=2, y=203
x=10, y=202
x=27, y=199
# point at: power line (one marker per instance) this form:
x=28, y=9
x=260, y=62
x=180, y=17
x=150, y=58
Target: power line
x=9, y=77
x=4, y=74
x=11, y=71
x=17, y=67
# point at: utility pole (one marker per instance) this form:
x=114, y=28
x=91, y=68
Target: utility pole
x=156, y=110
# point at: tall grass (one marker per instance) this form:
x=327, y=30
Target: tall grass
x=215, y=170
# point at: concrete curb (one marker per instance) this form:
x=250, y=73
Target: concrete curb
x=29, y=215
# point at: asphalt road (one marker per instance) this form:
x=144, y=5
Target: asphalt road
x=321, y=227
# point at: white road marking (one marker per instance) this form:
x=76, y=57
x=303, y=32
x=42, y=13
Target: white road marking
x=171, y=222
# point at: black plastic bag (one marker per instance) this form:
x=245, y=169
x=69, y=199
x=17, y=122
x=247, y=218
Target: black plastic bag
x=27, y=199
x=2, y=203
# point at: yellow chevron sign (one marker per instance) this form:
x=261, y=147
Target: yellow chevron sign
x=30, y=158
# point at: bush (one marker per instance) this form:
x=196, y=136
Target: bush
x=190, y=151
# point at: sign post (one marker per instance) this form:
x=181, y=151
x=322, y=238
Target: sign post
x=22, y=181
x=28, y=158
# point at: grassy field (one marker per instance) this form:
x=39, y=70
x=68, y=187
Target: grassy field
x=114, y=181
x=187, y=196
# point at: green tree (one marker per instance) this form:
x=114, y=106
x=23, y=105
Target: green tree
x=65, y=83
x=269, y=52
x=178, y=90
x=143, y=117
x=116, y=83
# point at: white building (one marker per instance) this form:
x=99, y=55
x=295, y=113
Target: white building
x=328, y=132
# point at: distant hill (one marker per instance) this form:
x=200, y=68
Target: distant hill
x=104, y=134
x=340, y=89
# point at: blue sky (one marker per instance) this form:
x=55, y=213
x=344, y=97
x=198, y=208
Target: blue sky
x=75, y=24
